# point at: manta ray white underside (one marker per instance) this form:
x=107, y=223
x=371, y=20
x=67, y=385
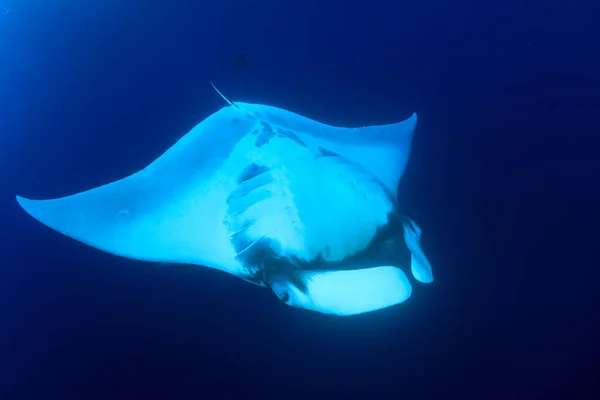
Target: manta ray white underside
x=305, y=209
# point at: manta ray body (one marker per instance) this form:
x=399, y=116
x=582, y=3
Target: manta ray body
x=302, y=208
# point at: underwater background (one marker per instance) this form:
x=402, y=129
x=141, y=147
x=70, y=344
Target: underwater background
x=503, y=180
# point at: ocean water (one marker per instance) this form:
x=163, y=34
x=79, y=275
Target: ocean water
x=503, y=180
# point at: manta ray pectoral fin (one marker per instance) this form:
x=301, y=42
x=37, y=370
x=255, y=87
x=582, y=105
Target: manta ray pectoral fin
x=420, y=266
x=344, y=293
x=262, y=182
x=170, y=211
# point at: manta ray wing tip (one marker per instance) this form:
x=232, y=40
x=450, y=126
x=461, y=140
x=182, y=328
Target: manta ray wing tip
x=21, y=200
x=26, y=204
x=412, y=119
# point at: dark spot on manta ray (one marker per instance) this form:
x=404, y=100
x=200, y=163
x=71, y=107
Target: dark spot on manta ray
x=266, y=126
x=264, y=137
x=251, y=171
x=286, y=133
x=327, y=153
x=265, y=134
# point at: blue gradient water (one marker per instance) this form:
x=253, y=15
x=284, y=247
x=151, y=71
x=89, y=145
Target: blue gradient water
x=502, y=180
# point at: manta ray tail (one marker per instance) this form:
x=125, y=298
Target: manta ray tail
x=231, y=103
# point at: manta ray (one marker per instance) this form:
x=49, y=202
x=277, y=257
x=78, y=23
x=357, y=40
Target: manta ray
x=301, y=208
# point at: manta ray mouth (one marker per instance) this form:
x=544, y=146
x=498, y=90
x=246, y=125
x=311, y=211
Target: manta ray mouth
x=343, y=292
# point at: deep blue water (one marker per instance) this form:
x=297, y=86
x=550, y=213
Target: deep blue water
x=503, y=179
